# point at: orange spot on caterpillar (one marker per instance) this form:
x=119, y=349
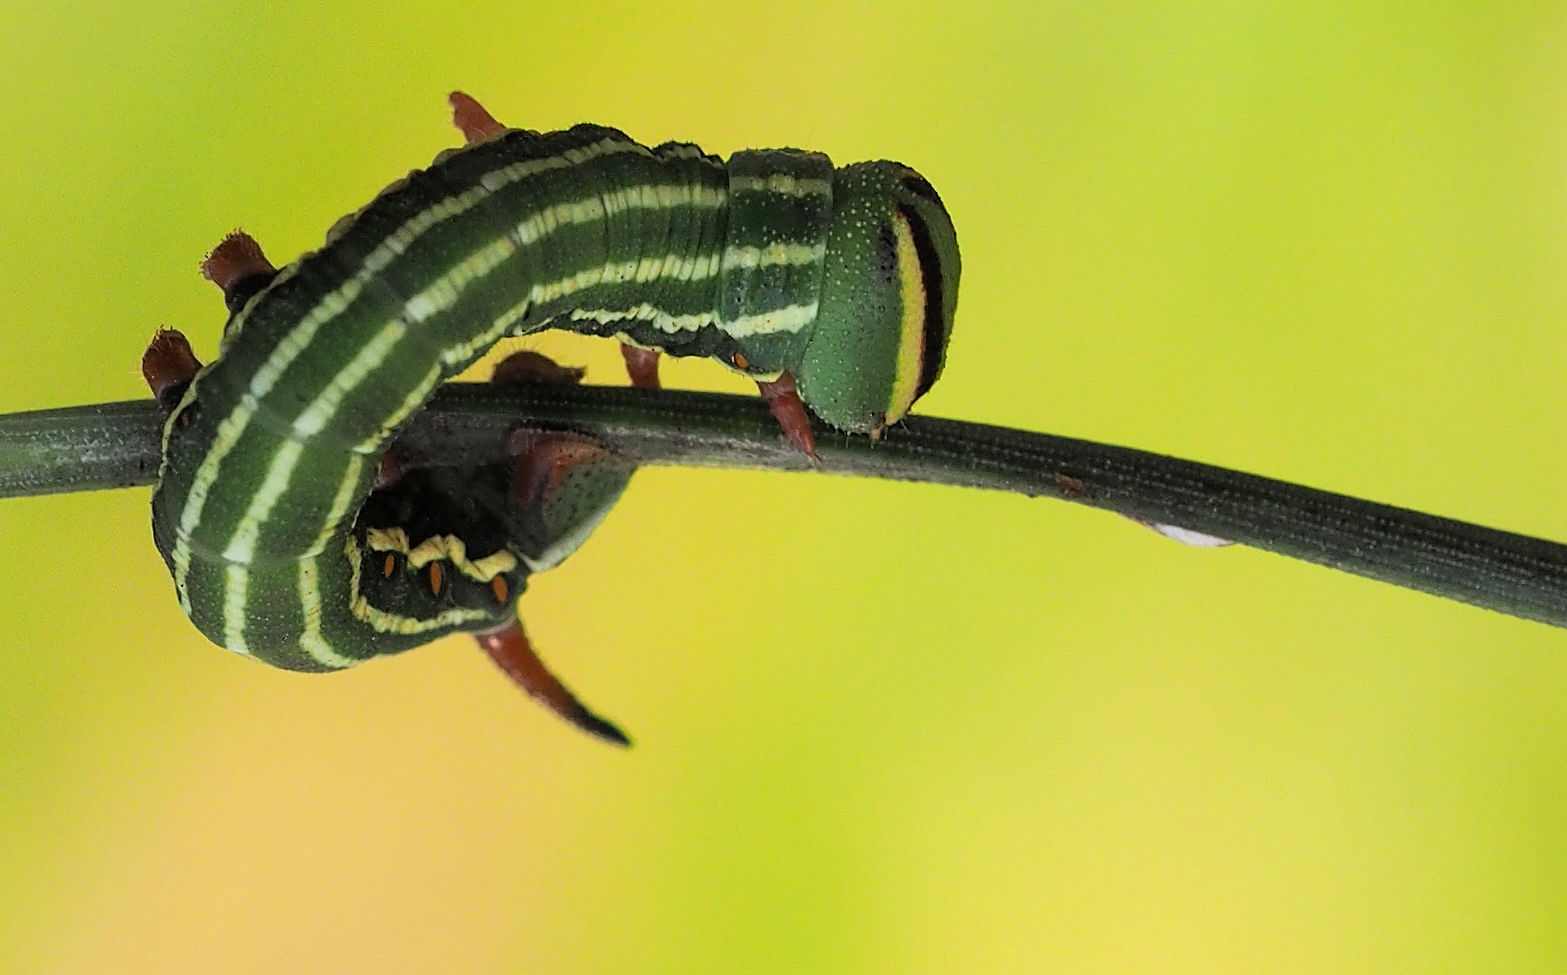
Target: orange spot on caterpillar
x=389, y=566
x=498, y=587
x=435, y=578
x=740, y=361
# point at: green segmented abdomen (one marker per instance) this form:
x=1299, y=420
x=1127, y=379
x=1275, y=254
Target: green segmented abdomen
x=274, y=447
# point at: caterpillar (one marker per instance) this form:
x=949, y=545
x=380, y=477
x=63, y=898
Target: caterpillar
x=287, y=530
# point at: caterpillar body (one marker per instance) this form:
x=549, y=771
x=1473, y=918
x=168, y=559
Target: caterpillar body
x=267, y=510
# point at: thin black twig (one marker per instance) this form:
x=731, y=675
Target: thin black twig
x=116, y=445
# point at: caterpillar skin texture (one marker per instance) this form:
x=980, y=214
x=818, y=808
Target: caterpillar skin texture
x=772, y=262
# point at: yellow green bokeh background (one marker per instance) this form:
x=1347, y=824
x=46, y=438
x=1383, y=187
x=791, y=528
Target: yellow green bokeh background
x=880, y=727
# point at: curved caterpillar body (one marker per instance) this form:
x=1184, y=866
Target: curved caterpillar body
x=773, y=262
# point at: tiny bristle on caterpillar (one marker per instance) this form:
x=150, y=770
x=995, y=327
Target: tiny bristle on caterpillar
x=292, y=536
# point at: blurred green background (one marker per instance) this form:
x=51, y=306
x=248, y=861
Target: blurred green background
x=880, y=727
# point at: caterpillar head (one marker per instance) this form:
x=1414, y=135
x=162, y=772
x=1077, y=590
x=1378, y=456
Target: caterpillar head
x=889, y=289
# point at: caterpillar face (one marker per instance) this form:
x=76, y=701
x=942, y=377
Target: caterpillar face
x=889, y=291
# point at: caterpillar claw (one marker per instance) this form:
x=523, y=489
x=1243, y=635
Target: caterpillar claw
x=472, y=119
x=641, y=365
x=783, y=399
x=508, y=646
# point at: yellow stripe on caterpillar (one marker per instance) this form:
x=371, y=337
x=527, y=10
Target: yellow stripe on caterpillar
x=445, y=548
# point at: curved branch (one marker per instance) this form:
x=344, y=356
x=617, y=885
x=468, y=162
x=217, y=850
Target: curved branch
x=116, y=445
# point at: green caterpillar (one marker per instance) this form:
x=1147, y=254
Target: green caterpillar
x=841, y=283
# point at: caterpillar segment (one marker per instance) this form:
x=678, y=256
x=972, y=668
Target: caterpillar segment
x=782, y=398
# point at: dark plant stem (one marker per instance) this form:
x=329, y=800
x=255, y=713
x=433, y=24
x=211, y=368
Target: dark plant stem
x=116, y=445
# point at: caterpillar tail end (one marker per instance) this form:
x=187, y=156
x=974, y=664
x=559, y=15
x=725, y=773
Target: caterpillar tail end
x=509, y=647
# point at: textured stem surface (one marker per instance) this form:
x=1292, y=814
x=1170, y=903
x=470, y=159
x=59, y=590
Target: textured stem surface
x=116, y=445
